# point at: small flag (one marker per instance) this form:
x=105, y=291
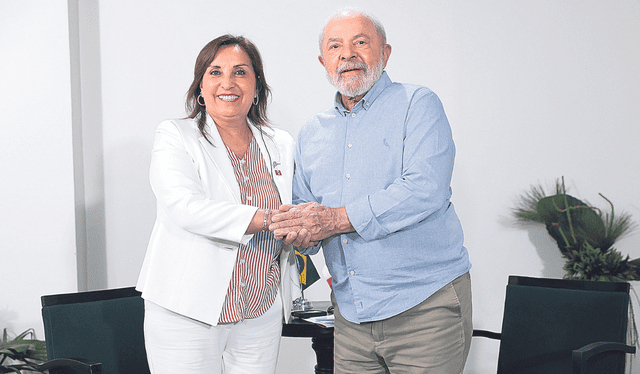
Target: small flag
x=306, y=270
x=327, y=274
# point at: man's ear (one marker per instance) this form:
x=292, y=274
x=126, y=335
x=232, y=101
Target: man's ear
x=321, y=59
x=386, y=52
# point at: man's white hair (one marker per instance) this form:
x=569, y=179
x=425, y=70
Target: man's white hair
x=350, y=12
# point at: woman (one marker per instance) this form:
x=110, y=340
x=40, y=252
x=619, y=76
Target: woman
x=216, y=284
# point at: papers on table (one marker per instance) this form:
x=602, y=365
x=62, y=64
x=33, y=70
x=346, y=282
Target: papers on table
x=326, y=321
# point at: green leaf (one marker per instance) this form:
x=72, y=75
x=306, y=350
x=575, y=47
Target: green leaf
x=24, y=348
x=570, y=221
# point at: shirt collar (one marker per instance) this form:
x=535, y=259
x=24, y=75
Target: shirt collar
x=368, y=99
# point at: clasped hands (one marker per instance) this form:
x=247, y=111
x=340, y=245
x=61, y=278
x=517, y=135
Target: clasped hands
x=304, y=225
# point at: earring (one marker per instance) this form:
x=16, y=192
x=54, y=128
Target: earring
x=255, y=100
x=198, y=100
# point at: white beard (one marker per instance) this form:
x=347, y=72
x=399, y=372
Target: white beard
x=356, y=86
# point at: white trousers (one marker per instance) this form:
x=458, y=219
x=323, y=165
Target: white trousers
x=177, y=344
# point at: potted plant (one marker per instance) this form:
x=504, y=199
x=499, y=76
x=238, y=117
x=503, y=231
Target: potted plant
x=21, y=354
x=584, y=234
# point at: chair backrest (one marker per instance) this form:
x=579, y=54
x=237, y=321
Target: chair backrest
x=545, y=319
x=97, y=327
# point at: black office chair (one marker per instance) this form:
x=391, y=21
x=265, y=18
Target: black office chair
x=93, y=332
x=563, y=326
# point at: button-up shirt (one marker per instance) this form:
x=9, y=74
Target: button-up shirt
x=389, y=161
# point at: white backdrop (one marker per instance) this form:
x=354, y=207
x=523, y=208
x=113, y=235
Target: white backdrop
x=534, y=90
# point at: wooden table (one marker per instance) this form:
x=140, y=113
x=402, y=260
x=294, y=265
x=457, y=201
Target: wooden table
x=321, y=338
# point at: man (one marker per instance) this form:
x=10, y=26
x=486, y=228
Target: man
x=373, y=178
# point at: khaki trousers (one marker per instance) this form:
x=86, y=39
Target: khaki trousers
x=433, y=337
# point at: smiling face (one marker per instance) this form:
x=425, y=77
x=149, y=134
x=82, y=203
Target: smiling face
x=229, y=86
x=354, y=54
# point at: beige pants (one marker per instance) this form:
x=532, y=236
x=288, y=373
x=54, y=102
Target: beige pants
x=433, y=337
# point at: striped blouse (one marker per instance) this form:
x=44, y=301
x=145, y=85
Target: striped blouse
x=256, y=275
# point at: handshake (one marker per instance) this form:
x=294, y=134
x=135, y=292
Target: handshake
x=305, y=225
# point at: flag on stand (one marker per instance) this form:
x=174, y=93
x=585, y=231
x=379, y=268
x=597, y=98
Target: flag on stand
x=306, y=270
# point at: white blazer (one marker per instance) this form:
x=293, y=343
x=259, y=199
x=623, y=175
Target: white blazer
x=201, y=221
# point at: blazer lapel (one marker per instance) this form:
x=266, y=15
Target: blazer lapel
x=271, y=154
x=267, y=147
x=220, y=158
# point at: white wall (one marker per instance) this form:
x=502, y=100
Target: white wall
x=37, y=201
x=533, y=90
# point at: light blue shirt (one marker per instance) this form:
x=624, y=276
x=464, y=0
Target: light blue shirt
x=389, y=162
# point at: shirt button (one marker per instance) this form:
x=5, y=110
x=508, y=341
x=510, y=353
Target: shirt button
x=350, y=145
x=243, y=285
x=353, y=114
x=344, y=241
x=242, y=261
x=352, y=272
x=249, y=198
x=348, y=176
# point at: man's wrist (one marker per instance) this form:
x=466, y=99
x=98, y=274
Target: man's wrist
x=340, y=221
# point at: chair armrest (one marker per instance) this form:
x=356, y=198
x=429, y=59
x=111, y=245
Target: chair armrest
x=581, y=355
x=487, y=334
x=67, y=365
